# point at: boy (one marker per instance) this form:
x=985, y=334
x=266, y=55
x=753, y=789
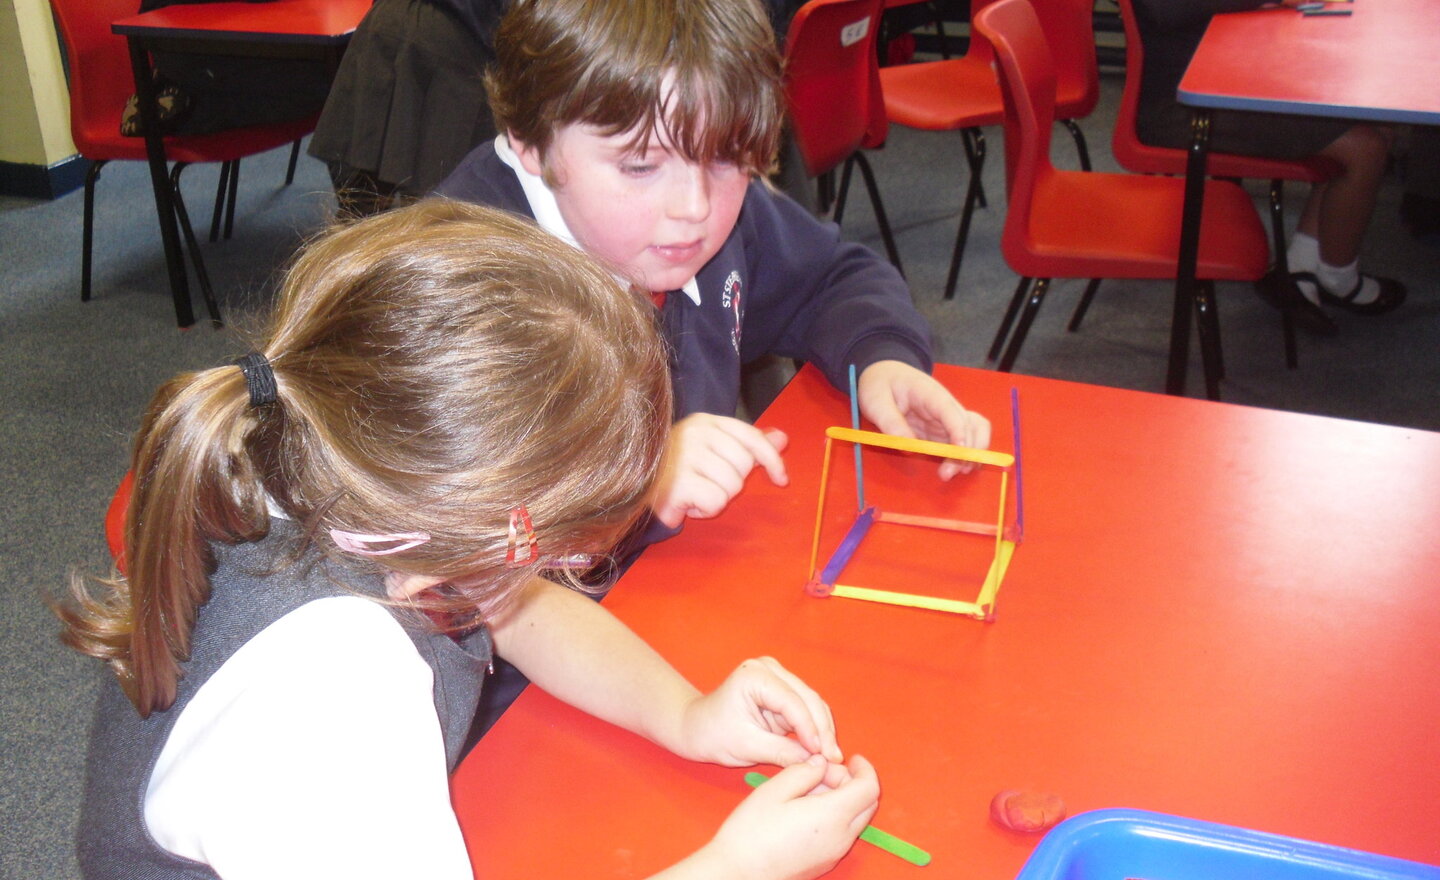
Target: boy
x=640, y=130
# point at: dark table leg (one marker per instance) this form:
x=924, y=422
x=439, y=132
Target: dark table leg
x=160, y=182
x=1185, y=283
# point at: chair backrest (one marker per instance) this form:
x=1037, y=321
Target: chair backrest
x=1142, y=158
x=1027, y=83
x=831, y=80
x=100, y=79
x=1125, y=144
x=978, y=48
x=1069, y=27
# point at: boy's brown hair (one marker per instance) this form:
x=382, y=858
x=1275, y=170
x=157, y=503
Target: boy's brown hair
x=706, y=73
x=437, y=367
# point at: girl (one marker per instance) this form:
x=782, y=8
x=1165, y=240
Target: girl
x=326, y=540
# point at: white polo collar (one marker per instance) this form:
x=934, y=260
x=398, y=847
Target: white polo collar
x=547, y=210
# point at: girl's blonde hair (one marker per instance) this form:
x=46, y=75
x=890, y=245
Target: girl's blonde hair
x=438, y=367
x=706, y=73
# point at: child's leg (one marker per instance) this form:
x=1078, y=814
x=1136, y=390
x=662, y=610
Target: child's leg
x=1332, y=226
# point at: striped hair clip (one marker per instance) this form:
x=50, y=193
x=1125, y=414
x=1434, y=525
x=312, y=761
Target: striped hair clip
x=520, y=523
x=353, y=542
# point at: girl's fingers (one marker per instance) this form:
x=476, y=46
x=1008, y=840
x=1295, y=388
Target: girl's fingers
x=818, y=735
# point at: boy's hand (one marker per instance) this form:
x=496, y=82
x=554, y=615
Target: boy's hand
x=905, y=402
x=706, y=463
x=798, y=825
x=749, y=719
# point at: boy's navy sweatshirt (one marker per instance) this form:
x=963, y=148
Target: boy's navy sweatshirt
x=783, y=283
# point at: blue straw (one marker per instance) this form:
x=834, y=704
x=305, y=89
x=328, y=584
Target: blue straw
x=855, y=423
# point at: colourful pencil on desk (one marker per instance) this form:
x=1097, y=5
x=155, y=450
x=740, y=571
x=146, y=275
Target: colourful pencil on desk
x=871, y=835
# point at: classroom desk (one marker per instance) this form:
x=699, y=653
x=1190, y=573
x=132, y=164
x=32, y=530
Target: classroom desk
x=1378, y=64
x=316, y=29
x=1219, y=612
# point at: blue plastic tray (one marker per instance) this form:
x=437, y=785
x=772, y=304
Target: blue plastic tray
x=1122, y=844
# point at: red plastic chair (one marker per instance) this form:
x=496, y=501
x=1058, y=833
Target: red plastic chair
x=101, y=82
x=1145, y=159
x=963, y=94
x=1079, y=224
x=833, y=95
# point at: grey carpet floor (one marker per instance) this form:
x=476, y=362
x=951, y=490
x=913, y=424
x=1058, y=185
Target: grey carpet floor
x=74, y=377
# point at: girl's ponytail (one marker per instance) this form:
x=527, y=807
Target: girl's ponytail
x=193, y=484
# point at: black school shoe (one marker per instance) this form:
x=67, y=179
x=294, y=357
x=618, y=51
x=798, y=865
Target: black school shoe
x=1392, y=294
x=1283, y=294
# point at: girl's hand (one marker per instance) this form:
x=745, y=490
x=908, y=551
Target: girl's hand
x=749, y=719
x=799, y=824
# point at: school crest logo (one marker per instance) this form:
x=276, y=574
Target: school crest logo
x=730, y=299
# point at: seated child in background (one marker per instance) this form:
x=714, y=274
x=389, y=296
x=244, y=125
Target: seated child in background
x=326, y=541
x=408, y=101
x=1324, y=252
x=640, y=130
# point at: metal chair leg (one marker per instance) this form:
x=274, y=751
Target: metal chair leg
x=1010, y=312
x=842, y=192
x=826, y=195
x=972, y=195
x=939, y=19
x=193, y=246
x=294, y=158
x=974, y=141
x=880, y=219
x=1208, y=325
x=1282, y=267
x=1084, y=305
x=88, y=230
x=1027, y=317
x=1213, y=302
x=220, y=191
x=1080, y=148
x=230, y=206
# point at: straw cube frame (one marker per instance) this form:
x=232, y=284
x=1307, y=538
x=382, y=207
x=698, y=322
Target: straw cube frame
x=825, y=582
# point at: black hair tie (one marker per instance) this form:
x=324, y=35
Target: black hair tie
x=259, y=378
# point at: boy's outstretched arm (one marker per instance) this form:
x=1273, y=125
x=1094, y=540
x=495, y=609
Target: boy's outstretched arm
x=706, y=463
x=573, y=648
x=906, y=402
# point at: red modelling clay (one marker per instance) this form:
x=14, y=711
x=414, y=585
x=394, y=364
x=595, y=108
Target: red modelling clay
x=1026, y=810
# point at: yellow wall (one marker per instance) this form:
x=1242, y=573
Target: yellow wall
x=34, y=106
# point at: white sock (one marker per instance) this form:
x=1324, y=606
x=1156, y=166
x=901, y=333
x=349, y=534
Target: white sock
x=1340, y=280
x=1303, y=255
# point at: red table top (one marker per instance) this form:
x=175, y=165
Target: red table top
x=1219, y=612
x=1379, y=63
x=278, y=21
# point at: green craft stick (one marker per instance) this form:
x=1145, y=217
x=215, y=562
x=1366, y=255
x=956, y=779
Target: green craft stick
x=871, y=835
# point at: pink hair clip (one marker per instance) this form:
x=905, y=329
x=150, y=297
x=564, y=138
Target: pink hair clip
x=353, y=542
x=520, y=518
